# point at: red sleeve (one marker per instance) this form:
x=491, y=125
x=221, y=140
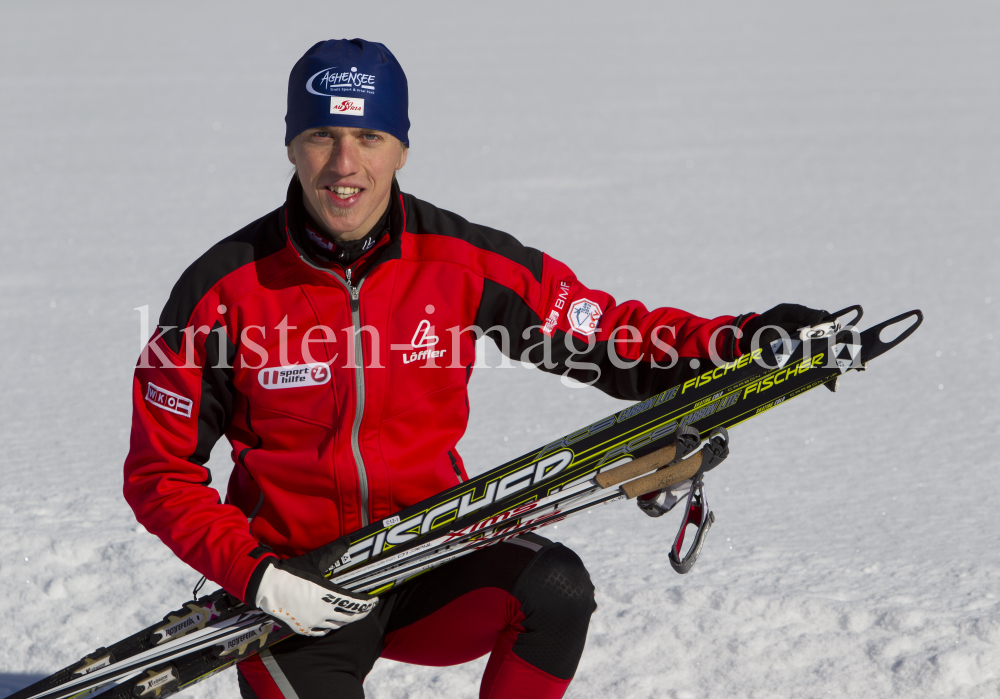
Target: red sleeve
x=624, y=349
x=582, y=311
x=537, y=311
x=179, y=412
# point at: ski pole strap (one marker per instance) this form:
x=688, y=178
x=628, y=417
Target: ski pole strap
x=698, y=514
x=716, y=449
x=197, y=588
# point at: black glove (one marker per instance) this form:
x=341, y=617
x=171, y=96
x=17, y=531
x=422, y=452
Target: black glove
x=790, y=317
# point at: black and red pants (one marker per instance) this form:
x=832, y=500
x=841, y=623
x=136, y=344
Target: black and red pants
x=527, y=602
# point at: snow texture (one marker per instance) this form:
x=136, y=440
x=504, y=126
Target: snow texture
x=721, y=157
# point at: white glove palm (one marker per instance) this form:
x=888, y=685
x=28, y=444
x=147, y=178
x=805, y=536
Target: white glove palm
x=309, y=604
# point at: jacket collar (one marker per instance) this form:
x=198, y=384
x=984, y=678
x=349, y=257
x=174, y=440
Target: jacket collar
x=386, y=245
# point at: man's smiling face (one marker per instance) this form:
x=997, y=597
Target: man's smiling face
x=346, y=175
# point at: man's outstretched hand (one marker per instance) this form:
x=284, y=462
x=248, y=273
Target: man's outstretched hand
x=790, y=317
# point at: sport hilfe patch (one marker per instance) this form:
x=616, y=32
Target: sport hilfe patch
x=294, y=376
x=352, y=106
x=584, y=315
x=169, y=401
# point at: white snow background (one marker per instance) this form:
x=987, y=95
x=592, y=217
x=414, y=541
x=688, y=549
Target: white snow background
x=720, y=157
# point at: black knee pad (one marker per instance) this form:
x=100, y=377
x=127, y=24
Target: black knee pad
x=557, y=599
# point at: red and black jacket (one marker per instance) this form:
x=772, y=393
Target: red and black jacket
x=257, y=343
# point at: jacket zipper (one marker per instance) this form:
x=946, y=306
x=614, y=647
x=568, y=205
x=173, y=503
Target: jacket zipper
x=359, y=380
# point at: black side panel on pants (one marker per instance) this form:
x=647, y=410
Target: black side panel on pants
x=334, y=665
x=498, y=566
x=548, y=579
x=557, y=598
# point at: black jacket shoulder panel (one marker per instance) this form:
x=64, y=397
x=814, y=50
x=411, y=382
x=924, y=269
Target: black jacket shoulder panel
x=423, y=218
x=258, y=240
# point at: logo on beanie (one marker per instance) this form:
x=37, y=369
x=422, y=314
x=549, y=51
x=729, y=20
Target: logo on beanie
x=330, y=80
x=347, y=105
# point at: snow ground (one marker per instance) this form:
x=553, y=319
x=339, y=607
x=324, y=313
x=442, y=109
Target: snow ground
x=720, y=157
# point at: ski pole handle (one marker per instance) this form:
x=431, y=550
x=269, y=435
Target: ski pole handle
x=681, y=471
x=686, y=442
x=638, y=467
x=715, y=452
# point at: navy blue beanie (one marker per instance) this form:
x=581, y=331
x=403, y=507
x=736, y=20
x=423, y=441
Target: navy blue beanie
x=347, y=83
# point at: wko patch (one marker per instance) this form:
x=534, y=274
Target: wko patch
x=168, y=400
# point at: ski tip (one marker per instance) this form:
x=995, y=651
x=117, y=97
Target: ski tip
x=896, y=335
x=890, y=333
x=836, y=318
